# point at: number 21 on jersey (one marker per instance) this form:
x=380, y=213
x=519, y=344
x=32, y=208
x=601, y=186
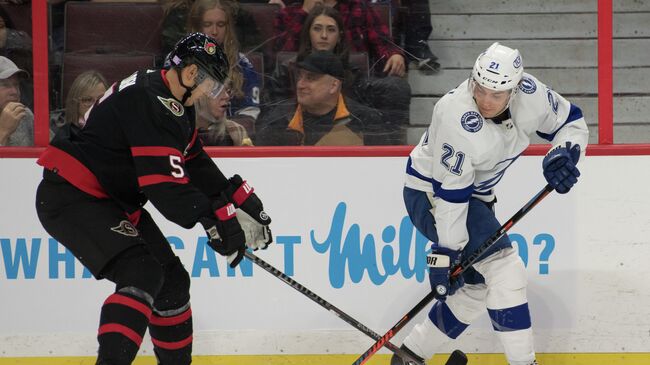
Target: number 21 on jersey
x=452, y=160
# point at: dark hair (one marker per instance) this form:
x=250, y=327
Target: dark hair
x=341, y=49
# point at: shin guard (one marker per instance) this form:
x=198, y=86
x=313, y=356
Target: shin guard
x=171, y=335
x=123, y=322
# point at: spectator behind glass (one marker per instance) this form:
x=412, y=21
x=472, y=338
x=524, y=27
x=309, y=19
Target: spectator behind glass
x=16, y=45
x=214, y=129
x=414, y=27
x=321, y=114
x=391, y=95
x=175, y=24
x=215, y=18
x=364, y=32
x=16, y=120
x=323, y=31
x=85, y=90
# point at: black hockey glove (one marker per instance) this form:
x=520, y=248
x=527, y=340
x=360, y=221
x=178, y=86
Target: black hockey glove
x=224, y=232
x=242, y=195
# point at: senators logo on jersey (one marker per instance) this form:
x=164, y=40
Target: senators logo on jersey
x=126, y=228
x=173, y=105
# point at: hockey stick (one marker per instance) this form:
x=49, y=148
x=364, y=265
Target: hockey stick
x=325, y=304
x=464, y=265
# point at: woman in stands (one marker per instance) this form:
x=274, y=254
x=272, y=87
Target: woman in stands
x=322, y=31
x=85, y=90
x=215, y=18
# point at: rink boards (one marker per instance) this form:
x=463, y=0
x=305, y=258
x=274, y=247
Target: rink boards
x=341, y=230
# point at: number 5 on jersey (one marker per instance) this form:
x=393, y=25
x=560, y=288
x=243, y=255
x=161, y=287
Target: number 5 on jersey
x=452, y=160
x=177, y=166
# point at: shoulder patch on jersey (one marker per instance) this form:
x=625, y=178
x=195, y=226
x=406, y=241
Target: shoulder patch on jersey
x=527, y=85
x=472, y=121
x=173, y=105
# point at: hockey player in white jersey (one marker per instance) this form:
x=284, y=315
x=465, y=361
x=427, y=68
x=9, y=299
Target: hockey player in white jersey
x=477, y=131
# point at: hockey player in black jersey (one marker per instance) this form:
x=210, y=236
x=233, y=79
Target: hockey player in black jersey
x=139, y=144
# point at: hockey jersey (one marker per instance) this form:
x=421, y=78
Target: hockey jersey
x=463, y=155
x=138, y=144
x=249, y=103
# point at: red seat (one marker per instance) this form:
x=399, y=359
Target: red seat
x=113, y=27
x=114, y=67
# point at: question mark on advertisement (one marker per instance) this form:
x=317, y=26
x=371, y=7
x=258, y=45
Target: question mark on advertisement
x=546, y=251
x=522, y=246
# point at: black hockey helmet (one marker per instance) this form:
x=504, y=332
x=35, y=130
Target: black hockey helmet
x=202, y=50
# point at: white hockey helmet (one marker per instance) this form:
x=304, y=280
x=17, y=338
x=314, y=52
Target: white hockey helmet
x=498, y=68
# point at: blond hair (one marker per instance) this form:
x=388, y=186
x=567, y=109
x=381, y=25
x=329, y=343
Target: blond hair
x=85, y=81
x=230, y=44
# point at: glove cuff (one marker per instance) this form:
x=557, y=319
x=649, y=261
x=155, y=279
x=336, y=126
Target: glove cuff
x=438, y=260
x=226, y=212
x=242, y=193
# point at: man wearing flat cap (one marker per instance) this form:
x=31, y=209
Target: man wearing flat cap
x=16, y=120
x=321, y=115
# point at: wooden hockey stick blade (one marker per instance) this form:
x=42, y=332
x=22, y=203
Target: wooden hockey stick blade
x=457, y=358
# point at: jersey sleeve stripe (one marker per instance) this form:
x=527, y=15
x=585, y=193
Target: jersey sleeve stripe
x=72, y=170
x=454, y=195
x=575, y=113
x=159, y=179
x=154, y=151
x=411, y=171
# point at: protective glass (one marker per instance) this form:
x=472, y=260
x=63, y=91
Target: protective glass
x=211, y=87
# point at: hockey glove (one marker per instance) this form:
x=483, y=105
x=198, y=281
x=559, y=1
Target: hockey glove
x=441, y=260
x=560, y=169
x=242, y=195
x=257, y=235
x=224, y=232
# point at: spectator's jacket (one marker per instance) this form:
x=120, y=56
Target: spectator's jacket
x=24, y=133
x=364, y=30
x=288, y=124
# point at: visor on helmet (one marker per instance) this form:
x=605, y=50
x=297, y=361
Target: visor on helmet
x=211, y=88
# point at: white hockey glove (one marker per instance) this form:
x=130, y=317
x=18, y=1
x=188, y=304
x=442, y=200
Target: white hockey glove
x=257, y=235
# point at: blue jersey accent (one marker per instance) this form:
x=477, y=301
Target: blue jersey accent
x=444, y=319
x=453, y=196
x=411, y=171
x=510, y=319
x=575, y=113
x=250, y=88
x=488, y=184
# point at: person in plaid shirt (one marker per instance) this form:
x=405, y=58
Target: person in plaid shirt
x=364, y=32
